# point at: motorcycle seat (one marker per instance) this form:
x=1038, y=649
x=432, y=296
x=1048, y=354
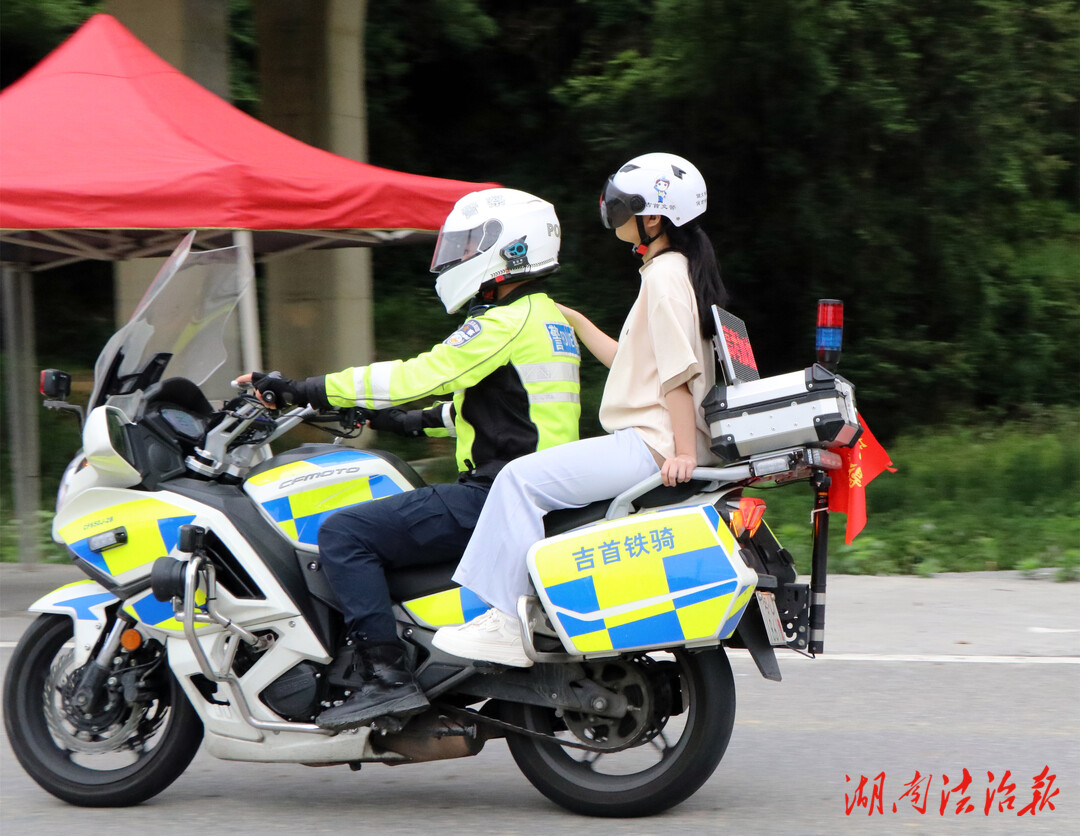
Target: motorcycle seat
x=416, y=581
x=556, y=522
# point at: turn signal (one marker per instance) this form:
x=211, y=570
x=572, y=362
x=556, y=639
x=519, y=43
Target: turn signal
x=746, y=517
x=131, y=640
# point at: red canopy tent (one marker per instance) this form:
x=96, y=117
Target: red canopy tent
x=104, y=136
x=108, y=152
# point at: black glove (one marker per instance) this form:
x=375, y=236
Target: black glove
x=400, y=421
x=280, y=392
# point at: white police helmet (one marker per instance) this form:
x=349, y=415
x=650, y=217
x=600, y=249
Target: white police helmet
x=493, y=236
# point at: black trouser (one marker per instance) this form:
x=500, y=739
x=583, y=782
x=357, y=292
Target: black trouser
x=423, y=526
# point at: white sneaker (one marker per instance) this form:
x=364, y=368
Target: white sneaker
x=491, y=637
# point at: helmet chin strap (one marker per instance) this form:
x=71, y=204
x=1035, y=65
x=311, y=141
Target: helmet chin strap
x=646, y=239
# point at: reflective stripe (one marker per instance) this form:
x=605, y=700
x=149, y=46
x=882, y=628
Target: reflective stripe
x=541, y=372
x=379, y=375
x=448, y=418
x=554, y=397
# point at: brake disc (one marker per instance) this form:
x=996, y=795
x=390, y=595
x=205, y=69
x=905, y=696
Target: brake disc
x=102, y=731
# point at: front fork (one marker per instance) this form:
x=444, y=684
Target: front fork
x=91, y=693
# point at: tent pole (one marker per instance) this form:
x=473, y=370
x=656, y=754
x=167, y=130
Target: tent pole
x=21, y=408
x=250, y=351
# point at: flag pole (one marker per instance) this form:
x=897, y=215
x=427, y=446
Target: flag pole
x=819, y=564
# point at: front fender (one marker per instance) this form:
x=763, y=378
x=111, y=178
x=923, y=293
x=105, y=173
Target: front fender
x=85, y=602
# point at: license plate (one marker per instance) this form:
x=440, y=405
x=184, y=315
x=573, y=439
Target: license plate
x=771, y=617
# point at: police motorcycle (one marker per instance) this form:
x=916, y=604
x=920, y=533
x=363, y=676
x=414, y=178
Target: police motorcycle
x=205, y=618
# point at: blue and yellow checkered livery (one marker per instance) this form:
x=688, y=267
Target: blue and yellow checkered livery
x=663, y=579
x=446, y=608
x=154, y=613
x=297, y=496
x=151, y=527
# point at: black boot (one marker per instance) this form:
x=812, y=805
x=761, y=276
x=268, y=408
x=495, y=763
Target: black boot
x=389, y=687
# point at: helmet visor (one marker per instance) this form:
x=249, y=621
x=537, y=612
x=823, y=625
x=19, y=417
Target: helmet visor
x=454, y=247
x=616, y=206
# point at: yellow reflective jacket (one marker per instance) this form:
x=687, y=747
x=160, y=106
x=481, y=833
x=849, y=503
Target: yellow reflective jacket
x=513, y=372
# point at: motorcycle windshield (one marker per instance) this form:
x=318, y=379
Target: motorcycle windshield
x=184, y=326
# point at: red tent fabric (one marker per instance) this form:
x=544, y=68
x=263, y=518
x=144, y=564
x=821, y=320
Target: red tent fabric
x=104, y=134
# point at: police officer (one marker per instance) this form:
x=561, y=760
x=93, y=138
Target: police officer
x=513, y=370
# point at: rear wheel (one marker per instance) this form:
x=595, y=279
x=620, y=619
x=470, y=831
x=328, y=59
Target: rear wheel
x=681, y=712
x=118, y=753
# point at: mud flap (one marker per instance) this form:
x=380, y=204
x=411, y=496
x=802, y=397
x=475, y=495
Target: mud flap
x=751, y=631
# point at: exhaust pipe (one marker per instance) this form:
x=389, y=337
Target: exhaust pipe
x=432, y=737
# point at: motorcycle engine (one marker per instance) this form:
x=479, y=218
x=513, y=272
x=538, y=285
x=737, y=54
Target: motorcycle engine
x=295, y=694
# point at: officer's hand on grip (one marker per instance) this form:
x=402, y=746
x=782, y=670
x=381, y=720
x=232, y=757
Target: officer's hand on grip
x=400, y=421
x=279, y=392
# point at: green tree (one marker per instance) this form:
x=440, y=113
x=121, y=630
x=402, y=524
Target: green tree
x=906, y=156
x=30, y=29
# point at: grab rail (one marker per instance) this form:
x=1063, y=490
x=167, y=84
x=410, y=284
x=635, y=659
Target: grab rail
x=621, y=505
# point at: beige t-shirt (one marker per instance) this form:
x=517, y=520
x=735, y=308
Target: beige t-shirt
x=660, y=348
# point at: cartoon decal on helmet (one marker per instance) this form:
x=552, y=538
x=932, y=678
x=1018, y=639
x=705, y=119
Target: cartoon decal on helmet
x=653, y=184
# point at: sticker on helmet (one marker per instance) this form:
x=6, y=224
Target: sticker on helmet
x=466, y=332
x=661, y=185
x=516, y=253
x=563, y=340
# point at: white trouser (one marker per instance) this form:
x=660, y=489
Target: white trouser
x=568, y=476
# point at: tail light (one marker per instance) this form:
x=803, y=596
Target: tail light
x=746, y=516
x=830, y=332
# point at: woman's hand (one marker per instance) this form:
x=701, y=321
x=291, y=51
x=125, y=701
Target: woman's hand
x=599, y=343
x=679, y=468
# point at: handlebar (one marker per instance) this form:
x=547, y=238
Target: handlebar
x=230, y=448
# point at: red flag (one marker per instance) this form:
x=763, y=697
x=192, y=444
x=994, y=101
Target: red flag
x=847, y=493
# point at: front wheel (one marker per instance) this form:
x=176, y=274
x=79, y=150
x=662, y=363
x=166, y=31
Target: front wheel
x=117, y=754
x=681, y=712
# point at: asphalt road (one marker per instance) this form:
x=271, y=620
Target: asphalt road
x=922, y=678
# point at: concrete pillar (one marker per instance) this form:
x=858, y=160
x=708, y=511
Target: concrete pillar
x=21, y=407
x=192, y=35
x=311, y=68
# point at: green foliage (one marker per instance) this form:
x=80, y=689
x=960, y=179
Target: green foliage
x=903, y=156
x=11, y=530
x=916, y=158
x=243, y=57
x=975, y=497
x=31, y=28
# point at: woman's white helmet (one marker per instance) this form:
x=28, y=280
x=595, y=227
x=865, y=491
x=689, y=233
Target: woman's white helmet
x=490, y=237
x=653, y=184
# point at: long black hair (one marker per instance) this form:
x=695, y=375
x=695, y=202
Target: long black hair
x=691, y=240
